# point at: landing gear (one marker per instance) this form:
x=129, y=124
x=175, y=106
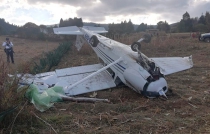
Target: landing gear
x=136, y=46
x=94, y=41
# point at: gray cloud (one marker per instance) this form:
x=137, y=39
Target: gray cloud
x=135, y=7
x=169, y=10
x=197, y=10
x=64, y=2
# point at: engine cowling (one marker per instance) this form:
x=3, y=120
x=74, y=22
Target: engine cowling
x=138, y=83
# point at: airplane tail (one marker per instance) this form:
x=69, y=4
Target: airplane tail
x=74, y=30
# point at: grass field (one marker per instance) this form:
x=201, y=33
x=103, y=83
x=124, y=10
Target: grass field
x=185, y=111
x=26, y=50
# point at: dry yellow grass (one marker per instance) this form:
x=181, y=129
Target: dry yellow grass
x=186, y=110
x=26, y=50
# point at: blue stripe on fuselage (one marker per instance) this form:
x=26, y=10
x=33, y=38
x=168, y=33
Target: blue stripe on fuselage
x=112, y=60
x=109, y=61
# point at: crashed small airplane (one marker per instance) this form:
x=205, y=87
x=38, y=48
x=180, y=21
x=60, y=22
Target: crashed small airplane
x=121, y=64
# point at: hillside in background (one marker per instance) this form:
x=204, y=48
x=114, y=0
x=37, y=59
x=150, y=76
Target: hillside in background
x=6, y=28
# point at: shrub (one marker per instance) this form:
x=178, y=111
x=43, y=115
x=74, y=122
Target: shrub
x=51, y=58
x=10, y=98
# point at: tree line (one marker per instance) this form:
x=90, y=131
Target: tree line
x=71, y=22
x=201, y=24
x=7, y=28
x=186, y=24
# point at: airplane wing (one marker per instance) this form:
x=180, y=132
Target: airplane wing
x=69, y=76
x=169, y=65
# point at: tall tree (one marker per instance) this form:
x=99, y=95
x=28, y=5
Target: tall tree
x=61, y=23
x=186, y=24
x=186, y=16
x=29, y=30
x=1, y=31
x=141, y=28
x=123, y=27
x=202, y=20
x=163, y=26
x=207, y=18
x=6, y=27
x=129, y=28
x=71, y=22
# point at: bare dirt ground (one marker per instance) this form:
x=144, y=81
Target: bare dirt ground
x=185, y=111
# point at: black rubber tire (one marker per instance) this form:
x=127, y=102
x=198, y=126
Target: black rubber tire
x=133, y=46
x=147, y=38
x=207, y=40
x=94, y=41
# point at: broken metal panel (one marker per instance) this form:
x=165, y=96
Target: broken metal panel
x=49, y=80
x=171, y=65
x=78, y=70
x=45, y=74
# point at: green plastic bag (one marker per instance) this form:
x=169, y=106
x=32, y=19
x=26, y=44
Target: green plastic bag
x=45, y=100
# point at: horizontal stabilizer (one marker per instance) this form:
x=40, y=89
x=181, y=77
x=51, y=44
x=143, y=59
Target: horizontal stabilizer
x=72, y=30
x=169, y=65
x=95, y=29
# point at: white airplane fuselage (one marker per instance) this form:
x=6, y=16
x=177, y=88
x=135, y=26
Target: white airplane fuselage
x=129, y=70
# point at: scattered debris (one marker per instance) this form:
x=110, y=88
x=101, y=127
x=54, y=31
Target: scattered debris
x=93, y=95
x=45, y=100
x=192, y=105
x=190, y=98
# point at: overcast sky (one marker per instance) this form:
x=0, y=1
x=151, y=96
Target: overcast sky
x=49, y=12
